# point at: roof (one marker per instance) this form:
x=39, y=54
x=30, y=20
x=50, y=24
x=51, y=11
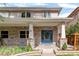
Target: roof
x=74, y=12
x=30, y=8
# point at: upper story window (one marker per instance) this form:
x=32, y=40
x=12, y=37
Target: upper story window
x=28, y=14
x=46, y=14
x=25, y=14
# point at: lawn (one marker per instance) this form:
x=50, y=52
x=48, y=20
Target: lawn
x=6, y=51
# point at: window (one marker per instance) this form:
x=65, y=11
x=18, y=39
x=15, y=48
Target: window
x=4, y=34
x=24, y=34
x=46, y=14
x=23, y=15
x=28, y=14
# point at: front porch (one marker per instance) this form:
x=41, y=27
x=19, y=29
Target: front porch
x=42, y=35
x=36, y=31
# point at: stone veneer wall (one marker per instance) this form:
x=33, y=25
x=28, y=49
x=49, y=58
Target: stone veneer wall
x=14, y=36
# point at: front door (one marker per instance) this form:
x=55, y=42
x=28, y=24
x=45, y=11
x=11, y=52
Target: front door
x=46, y=36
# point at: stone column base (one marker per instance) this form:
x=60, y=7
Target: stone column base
x=31, y=42
x=62, y=41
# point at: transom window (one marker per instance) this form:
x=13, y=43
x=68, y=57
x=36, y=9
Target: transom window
x=4, y=34
x=24, y=34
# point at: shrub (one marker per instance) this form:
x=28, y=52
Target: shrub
x=29, y=47
x=64, y=47
x=73, y=28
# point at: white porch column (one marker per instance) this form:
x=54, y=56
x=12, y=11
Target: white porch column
x=31, y=35
x=63, y=34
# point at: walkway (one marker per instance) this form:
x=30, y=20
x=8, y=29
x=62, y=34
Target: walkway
x=47, y=50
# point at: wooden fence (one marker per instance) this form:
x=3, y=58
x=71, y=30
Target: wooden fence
x=73, y=40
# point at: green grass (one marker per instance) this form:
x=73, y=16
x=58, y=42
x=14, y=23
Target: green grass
x=14, y=50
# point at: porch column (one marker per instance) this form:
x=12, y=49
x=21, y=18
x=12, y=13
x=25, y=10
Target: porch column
x=31, y=35
x=31, y=31
x=63, y=36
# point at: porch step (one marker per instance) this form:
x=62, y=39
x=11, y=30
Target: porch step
x=46, y=47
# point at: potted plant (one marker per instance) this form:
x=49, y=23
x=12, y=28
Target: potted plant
x=64, y=47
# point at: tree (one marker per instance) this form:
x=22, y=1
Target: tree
x=72, y=29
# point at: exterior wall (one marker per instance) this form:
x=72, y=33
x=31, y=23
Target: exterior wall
x=14, y=36
x=33, y=14
x=37, y=15
x=75, y=16
x=54, y=14
x=15, y=15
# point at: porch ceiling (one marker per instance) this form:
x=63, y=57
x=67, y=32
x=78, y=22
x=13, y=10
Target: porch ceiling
x=35, y=22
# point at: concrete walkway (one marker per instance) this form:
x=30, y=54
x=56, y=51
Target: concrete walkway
x=48, y=52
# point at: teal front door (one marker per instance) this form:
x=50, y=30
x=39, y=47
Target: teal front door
x=46, y=36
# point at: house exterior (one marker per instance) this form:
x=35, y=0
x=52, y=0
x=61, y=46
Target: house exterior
x=75, y=16
x=36, y=25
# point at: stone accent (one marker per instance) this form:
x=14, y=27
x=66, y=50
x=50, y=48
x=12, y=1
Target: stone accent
x=32, y=43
